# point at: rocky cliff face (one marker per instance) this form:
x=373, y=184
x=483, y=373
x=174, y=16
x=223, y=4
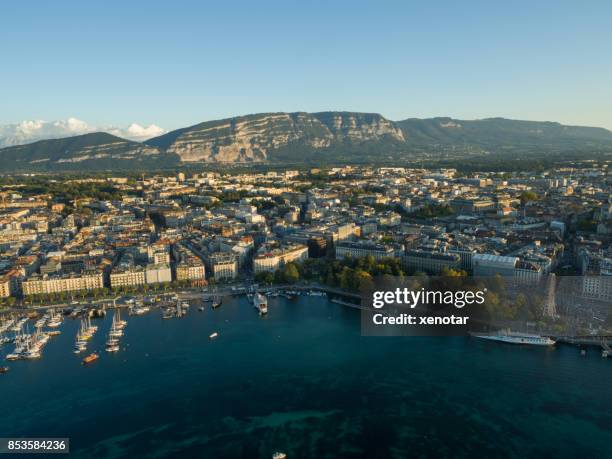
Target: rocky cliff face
x=253, y=137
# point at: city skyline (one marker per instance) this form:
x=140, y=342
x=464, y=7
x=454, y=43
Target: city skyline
x=164, y=67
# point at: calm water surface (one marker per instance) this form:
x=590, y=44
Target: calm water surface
x=304, y=381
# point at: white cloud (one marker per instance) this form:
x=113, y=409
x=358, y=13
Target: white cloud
x=137, y=132
x=33, y=130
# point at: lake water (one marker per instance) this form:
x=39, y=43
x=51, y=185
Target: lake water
x=304, y=381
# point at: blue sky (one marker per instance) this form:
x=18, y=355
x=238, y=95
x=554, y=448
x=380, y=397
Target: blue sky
x=181, y=62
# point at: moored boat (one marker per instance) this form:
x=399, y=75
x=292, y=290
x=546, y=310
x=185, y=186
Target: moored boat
x=90, y=358
x=507, y=336
x=261, y=303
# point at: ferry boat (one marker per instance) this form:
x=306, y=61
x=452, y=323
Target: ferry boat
x=507, y=336
x=261, y=303
x=90, y=358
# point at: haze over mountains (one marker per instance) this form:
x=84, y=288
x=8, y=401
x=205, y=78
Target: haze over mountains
x=300, y=136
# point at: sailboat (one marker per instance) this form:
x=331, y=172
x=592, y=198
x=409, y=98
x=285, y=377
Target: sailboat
x=116, y=329
x=216, y=301
x=55, y=320
x=120, y=324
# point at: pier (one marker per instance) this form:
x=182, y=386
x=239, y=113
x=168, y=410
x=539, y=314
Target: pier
x=602, y=341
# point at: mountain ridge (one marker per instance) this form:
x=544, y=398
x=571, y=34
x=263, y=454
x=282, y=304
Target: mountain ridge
x=297, y=136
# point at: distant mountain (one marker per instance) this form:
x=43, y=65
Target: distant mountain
x=258, y=137
x=500, y=132
x=34, y=130
x=299, y=137
x=98, y=150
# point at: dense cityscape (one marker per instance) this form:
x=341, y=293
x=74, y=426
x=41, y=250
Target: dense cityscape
x=95, y=237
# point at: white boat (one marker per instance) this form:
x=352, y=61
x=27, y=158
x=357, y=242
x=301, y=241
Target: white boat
x=91, y=329
x=213, y=335
x=79, y=347
x=140, y=310
x=261, y=303
x=6, y=324
x=19, y=324
x=116, y=330
x=55, y=320
x=4, y=339
x=180, y=312
x=121, y=324
x=279, y=455
x=507, y=336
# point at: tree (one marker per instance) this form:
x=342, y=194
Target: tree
x=527, y=196
x=291, y=273
x=264, y=277
x=450, y=272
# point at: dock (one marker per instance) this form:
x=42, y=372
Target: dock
x=602, y=341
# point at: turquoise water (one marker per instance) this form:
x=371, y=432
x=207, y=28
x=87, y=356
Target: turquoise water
x=302, y=380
